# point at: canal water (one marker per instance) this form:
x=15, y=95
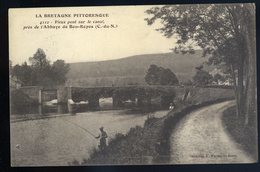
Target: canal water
x=55, y=140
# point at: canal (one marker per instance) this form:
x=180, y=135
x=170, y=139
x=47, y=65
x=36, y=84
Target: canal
x=53, y=139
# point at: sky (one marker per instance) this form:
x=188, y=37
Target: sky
x=132, y=36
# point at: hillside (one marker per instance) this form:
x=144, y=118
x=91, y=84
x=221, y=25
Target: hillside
x=133, y=69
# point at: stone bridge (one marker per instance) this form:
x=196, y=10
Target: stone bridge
x=142, y=95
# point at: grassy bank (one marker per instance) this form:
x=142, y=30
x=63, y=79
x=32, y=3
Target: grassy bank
x=144, y=145
x=138, y=146
x=245, y=136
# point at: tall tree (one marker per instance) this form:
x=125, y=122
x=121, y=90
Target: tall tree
x=41, y=71
x=217, y=28
x=59, y=70
x=39, y=59
x=41, y=68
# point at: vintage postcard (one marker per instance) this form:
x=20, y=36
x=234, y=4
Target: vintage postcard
x=133, y=85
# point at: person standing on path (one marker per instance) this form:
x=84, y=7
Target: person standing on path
x=103, y=136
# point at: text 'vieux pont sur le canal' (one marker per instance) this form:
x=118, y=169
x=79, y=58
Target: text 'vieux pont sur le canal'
x=72, y=21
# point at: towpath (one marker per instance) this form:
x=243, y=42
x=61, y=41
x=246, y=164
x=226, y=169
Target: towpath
x=201, y=138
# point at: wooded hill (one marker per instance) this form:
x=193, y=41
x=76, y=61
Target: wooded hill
x=131, y=70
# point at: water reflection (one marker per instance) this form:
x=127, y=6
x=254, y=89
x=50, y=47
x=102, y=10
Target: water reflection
x=51, y=108
x=40, y=109
x=56, y=141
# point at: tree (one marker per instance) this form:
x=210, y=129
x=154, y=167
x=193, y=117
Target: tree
x=202, y=78
x=225, y=32
x=41, y=72
x=167, y=77
x=160, y=76
x=41, y=68
x=152, y=75
x=23, y=73
x=59, y=69
x=39, y=59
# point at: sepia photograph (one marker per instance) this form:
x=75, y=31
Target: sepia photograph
x=133, y=85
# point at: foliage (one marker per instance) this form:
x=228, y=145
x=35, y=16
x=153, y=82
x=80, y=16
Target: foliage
x=122, y=149
x=59, y=70
x=226, y=32
x=202, y=78
x=206, y=26
x=41, y=71
x=23, y=72
x=39, y=59
x=218, y=78
x=160, y=76
x=152, y=76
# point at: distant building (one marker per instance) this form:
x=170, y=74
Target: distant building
x=14, y=83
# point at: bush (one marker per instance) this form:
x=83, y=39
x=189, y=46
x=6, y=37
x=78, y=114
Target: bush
x=122, y=149
x=202, y=77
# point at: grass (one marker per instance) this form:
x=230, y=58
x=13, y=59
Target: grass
x=123, y=149
x=245, y=136
x=135, y=147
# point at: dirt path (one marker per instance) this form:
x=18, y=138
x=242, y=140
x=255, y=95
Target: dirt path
x=201, y=138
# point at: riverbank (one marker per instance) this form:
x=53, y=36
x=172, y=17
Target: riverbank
x=151, y=144
x=245, y=136
x=146, y=145
x=138, y=146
